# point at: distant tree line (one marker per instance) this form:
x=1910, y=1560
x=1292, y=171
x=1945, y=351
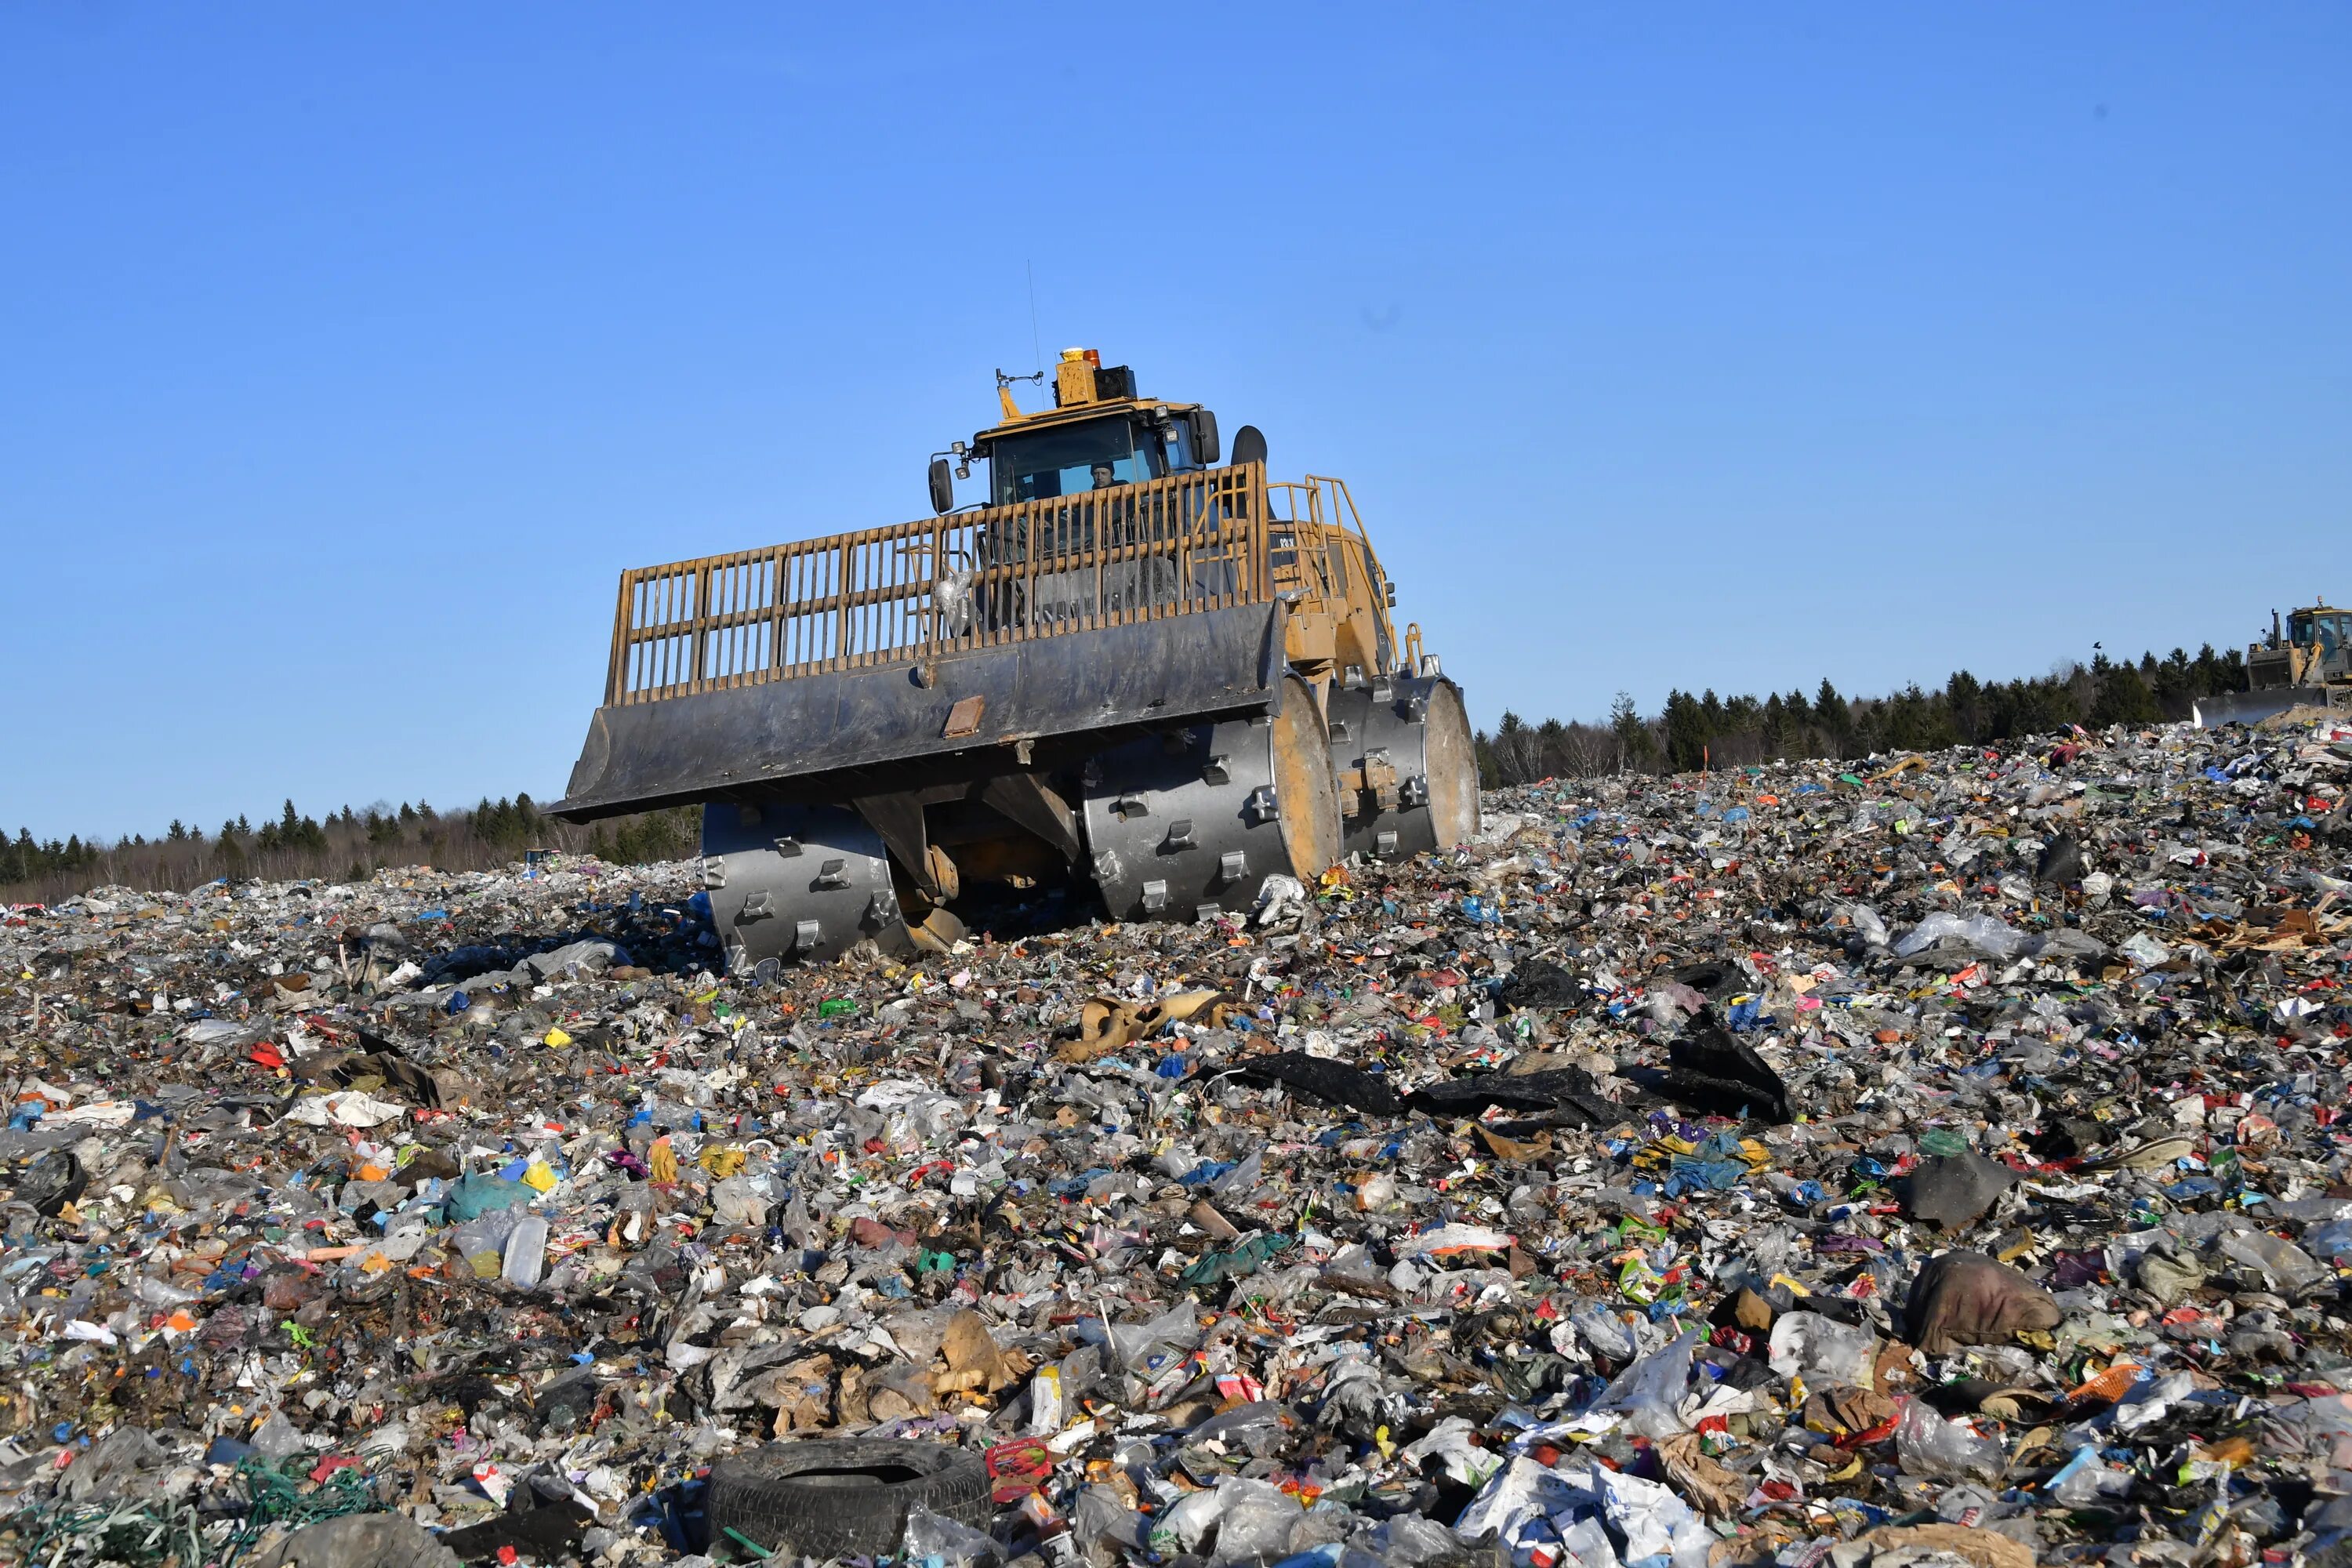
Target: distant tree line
x=347, y=846
x=1691, y=731
x=1688, y=732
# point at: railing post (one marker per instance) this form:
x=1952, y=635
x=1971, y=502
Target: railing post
x=841, y=593
x=701, y=620
x=1093, y=537
x=616, y=674
x=1024, y=613
x=939, y=568
x=1260, y=545
x=775, y=609
x=671, y=596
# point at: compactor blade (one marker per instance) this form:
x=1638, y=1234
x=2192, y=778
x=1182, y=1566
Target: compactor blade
x=2253, y=707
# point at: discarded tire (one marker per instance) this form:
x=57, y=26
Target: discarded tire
x=833, y=1497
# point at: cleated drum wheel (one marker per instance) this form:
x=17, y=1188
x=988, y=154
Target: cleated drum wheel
x=797, y=883
x=1192, y=822
x=1407, y=770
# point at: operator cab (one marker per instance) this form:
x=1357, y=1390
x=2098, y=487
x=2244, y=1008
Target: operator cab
x=1099, y=435
x=1122, y=448
x=2321, y=626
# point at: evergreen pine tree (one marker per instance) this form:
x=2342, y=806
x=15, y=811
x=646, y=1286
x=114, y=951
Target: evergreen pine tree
x=2123, y=698
x=1831, y=711
x=1633, y=735
x=1685, y=731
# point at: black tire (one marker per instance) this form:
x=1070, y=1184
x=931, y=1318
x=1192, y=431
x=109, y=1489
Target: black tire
x=827, y=1497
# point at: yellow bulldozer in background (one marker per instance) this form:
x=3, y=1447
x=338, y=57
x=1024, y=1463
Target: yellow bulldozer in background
x=2307, y=664
x=1132, y=665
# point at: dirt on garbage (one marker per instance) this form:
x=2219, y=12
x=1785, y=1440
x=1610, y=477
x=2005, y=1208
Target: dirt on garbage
x=1885, y=1161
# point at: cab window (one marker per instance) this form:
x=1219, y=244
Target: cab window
x=1061, y=462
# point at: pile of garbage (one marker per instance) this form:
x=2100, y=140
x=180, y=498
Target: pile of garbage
x=1928, y=1160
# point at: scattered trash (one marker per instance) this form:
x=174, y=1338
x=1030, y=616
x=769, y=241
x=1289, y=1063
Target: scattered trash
x=1916, y=1161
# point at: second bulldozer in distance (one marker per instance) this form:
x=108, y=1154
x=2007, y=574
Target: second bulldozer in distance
x=2306, y=665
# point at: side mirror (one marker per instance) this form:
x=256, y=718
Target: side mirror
x=1206, y=451
x=942, y=486
x=1249, y=445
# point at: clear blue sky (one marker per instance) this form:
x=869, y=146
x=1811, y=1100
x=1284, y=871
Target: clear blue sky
x=351, y=351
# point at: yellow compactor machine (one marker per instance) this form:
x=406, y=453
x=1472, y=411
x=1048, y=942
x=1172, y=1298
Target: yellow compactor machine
x=1134, y=665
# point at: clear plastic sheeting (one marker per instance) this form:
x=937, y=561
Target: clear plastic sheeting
x=1987, y=933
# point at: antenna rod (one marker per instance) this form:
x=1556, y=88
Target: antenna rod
x=1035, y=344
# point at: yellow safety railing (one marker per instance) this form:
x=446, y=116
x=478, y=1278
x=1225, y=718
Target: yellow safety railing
x=904, y=595
x=1302, y=558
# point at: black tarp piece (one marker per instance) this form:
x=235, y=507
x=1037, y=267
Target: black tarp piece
x=1713, y=979
x=2061, y=862
x=1713, y=1071
x=1539, y=983
x=1333, y=1083
x=1566, y=1089
x=52, y=1181
x=544, y=1533
x=1951, y=1190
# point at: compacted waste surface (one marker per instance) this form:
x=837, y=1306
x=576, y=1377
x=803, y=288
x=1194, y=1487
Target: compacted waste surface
x=1914, y=1160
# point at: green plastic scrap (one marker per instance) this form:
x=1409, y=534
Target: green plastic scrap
x=747, y=1543
x=471, y=1197
x=135, y=1533
x=152, y=1535
x=278, y=1497
x=1240, y=1262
